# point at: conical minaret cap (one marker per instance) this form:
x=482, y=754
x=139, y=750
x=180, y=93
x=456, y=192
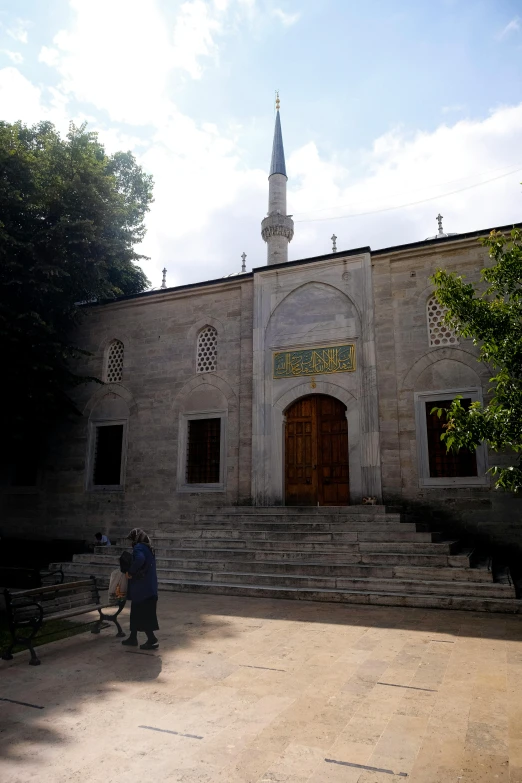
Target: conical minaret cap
x=278, y=153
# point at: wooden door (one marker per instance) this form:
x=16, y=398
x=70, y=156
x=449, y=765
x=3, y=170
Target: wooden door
x=316, y=453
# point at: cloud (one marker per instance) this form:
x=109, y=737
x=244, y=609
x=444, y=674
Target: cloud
x=512, y=27
x=402, y=168
x=137, y=52
x=286, y=19
x=194, y=35
x=19, y=98
x=208, y=201
x=19, y=31
x=15, y=57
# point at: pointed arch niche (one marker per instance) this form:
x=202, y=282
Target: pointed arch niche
x=313, y=306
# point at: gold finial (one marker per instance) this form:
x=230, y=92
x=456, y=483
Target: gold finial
x=278, y=102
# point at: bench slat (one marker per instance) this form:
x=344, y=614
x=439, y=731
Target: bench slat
x=51, y=588
x=21, y=617
x=74, y=612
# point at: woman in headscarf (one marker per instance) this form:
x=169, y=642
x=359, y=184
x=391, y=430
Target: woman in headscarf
x=142, y=591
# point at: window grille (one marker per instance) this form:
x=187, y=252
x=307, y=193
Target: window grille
x=107, y=455
x=443, y=463
x=203, y=451
x=114, y=370
x=439, y=332
x=207, y=350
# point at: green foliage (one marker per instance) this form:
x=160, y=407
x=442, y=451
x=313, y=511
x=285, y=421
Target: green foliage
x=492, y=318
x=70, y=216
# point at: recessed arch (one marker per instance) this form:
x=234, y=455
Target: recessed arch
x=110, y=389
x=204, y=380
x=319, y=284
x=435, y=355
x=313, y=313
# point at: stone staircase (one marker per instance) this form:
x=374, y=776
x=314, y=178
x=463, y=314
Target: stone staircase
x=356, y=554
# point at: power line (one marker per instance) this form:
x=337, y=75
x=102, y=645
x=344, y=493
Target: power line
x=417, y=190
x=411, y=203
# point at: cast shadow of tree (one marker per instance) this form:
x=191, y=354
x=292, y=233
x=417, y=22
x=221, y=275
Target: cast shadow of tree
x=80, y=676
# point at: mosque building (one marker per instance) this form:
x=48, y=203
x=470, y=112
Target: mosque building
x=299, y=388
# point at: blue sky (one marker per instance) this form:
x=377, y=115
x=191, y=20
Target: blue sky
x=385, y=103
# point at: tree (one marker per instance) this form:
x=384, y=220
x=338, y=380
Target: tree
x=493, y=319
x=70, y=216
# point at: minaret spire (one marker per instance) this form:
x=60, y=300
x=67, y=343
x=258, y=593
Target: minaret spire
x=277, y=229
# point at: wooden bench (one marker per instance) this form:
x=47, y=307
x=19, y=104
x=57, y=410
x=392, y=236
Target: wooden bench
x=27, y=610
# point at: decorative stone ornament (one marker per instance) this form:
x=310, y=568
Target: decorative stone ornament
x=438, y=330
x=206, y=360
x=114, y=371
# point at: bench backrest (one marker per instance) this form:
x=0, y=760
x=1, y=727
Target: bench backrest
x=22, y=578
x=40, y=602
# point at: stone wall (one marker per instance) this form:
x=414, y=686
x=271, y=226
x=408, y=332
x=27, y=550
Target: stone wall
x=406, y=365
x=159, y=385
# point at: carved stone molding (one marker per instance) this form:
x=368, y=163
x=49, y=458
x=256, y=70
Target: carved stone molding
x=277, y=225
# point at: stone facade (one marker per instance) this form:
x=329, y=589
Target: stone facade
x=160, y=387
x=409, y=368
x=377, y=301
x=157, y=389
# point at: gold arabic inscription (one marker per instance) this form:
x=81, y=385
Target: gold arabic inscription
x=314, y=361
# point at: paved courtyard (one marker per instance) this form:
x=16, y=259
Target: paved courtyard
x=256, y=691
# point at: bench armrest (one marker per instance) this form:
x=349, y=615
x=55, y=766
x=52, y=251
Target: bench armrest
x=14, y=604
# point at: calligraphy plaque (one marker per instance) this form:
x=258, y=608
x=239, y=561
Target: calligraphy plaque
x=314, y=361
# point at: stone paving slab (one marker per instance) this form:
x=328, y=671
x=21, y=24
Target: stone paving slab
x=259, y=691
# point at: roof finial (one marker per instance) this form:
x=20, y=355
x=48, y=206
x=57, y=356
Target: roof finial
x=439, y=221
x=164, y=281
x=334, y=246
x=243, y=259
x=278, y=102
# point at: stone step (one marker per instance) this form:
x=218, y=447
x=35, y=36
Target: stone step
x=318, y=582
x=310, y=510
x=405, y=547
x=337, y=555
x=468, y=603
x=418, y=600
x=244, y=525
x=229, y=534
x=308, y=567
x=297, y=519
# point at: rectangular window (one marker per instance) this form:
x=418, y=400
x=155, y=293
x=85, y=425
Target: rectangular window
x=203, y=451
x=445, y=463
x=107, y=455
x=437, y=467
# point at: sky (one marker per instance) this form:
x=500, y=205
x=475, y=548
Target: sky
x=393, y=111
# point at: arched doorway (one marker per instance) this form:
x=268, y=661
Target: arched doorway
x=316, y=452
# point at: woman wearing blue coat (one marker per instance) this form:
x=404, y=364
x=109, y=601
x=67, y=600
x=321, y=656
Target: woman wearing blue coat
x=142, y=591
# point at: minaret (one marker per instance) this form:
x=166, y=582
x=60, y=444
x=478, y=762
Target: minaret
x=277, y=229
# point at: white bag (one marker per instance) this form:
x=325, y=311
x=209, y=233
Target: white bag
x=117, y=587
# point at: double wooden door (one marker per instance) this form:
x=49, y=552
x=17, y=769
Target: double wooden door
x=316, y=452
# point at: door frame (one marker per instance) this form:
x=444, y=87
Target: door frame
x=316, y=419
x=354, y=434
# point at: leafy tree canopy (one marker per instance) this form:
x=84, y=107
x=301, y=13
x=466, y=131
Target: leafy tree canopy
x=70, y=217
x=492, y=317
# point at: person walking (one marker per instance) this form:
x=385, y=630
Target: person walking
x=142, y=591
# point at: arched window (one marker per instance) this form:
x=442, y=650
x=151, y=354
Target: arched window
x=439, y=333
x=114, y=362
x=206, y=358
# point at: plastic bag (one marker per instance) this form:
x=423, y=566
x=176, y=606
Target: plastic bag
x=117, y=587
